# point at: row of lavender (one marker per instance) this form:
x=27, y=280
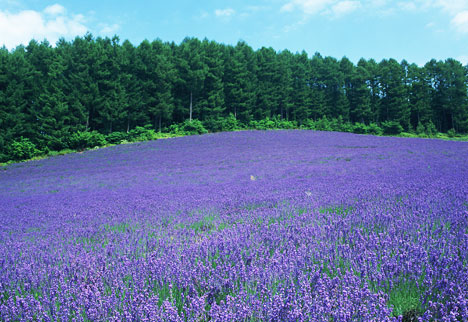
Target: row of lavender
x=247, y=226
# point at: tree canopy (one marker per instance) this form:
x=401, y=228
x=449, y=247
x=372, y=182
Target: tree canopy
x=99, y=84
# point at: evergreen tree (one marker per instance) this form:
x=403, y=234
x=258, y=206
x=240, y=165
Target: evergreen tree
x=300, y=87
x=239, y=81
x=394, y=106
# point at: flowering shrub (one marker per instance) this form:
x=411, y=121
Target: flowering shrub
x=241, y=226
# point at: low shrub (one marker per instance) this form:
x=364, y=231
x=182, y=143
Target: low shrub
x=431, y=130
x=141, y=133
x=193, y=127
x=23, y=149
x=323, y=124
x=116, y=137
x=82, y=140
x=374, y=129
x=451, y=133
x=359, y=128
x=391, y=128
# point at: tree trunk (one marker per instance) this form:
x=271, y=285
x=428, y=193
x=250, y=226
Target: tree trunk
x=128, y=125
x=190, y=106
x=160, y=123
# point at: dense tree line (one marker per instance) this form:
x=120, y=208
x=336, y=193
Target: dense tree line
x=99, y=84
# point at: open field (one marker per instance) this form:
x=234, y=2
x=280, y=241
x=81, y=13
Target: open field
x=240, y=226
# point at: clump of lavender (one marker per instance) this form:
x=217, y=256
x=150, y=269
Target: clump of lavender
x=246, y=226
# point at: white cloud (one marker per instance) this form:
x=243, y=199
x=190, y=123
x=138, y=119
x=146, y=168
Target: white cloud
x=344, y=7
x=455, y=10
x=407, y=6
x=309, y=7
x=377, y=3
x=51, y=24
x=55, y=9
x=224, y=12
x=453, y=7
x=332, y=8
x=460, y=21
x=106, y=29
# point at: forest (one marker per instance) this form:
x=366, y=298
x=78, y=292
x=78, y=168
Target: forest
x=104, y=86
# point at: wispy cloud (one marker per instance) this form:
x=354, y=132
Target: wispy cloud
x=460, y=22
x=333, y=8
x=52, y=23
x=456, y=10
x=228, y=12
x=344, y=7
x=307, y=6
x=106, y=29
x=55, y=9
x=453, y=7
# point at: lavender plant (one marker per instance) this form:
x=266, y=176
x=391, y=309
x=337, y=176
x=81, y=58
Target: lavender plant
x=333, y=227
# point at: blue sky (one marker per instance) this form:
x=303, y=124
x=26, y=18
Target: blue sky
x=415, y=30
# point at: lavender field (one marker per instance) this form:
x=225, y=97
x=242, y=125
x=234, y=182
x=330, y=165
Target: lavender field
x=245, y=226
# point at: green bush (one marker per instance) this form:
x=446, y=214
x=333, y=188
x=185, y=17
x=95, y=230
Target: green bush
x=286, y=124
x=431, y=130
x=23, y=149
x=308, y=124
x=116, y=137
x=265, y=124
x=82, y=140
x=323, y=124
x=346, y=127
x=420, y=130
x=223, y=124
x=214, y=124
x=374, y=129
x=231, y=123
x=359, y=128
x=188, y=128
x=392, y=127
x=451, y=133
x=141, y=133
x=56, y=143
x=338, y=124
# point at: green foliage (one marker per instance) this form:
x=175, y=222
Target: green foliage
x=451, y=133
x=231, y=123
x=420, y=129
x=140, y=133
x=431, y=129
x=273, y=123
x=116, y=137
x=82, y=140
x=308, y=124
x=359, y=128
x=23, y=149
x=391, y=128
x=56, y=96
x=213, y=124
x=57, y=143
x=374, y=129
x=323, y=125
x=265, y=124
x=405, y=298
x=338, y=124
x=188, y=128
